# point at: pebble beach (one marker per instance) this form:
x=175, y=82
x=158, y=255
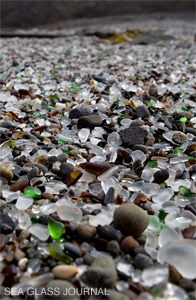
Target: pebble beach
x=98, y=160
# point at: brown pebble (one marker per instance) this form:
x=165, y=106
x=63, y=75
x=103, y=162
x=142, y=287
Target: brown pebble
x=64, y=271
x=128, y=244
x=23, y=235
x=40, y=201
x=48, y=196
x=9, y=257
x=6, y=173
x=19, y=254
x=174, y=276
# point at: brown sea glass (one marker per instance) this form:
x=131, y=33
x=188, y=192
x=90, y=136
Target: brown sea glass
x=97, y=168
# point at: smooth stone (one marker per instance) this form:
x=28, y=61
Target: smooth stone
x=187, y=284
x=90, y=121
x=88, y=259
x=86, y=231
x=19, y=254
x=34, y=172
x=79, y=112
x=62, y=287
x=142, y=148
x=66, y=168
x=102, y=273
x=142, y=112
x=109, y=197
x=72, y=250
x=7, y=225
x=132, y=136
x=137, y=122
x=142, y=261
x=64, y=271
x=128, y=244
x=6, y=173
x=109, y=233
x=113, y=248
x=48, y=196
x=131, y=219
x=160, y=176
x=62, y=157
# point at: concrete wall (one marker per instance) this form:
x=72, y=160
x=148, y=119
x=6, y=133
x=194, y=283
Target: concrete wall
x=28, y=13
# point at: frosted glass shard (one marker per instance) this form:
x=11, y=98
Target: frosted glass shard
x=83, y=134
x=168, y=235
x=69, y=213
x=125, y=268
x=151, y=245
x=138, y=155
x=24, y=202
x=155, y=275
x=40, y=231
x=95, y=188
x=9, y=195
x=87, y=176
x=136, y=186
x=103, y=218
x=175, y=220
x=114, y=139
x=147, y=174
x=163, y=196
x=107, y=183
x=149, y=189
x=108, y=173
x=168, y=291
x=181, y=255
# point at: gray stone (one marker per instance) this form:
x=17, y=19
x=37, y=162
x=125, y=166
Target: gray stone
x=79, y=111
x=62, y=288
x=142, y=261
x=102, y=273
x=142, y=112
x=90, y=121
x=142, y=148
x=132, y=136
x=137, y=122
x=66, y=168
x=63, y=157
x=113, y=248
x=7, y=225
x=85, y=230
x=131, y=219
x=34, y=172
x=160, y=176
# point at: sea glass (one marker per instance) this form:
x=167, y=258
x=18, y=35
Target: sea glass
x=55, y=228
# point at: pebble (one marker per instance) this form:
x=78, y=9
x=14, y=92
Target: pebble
x=87, y=259
x=113, y=248
x=78, y=112
x=34, y=172
x=142, y=148
x=62, y=290
x=142, y=112
x=102, y=273
x=131, y=219
x=109, y=197
x=86, y=231
x=66, y=168
x=109, y=233
x=7, y=225
x=90, y=121
x=142, y=261
x=6, y=173
x=161, y=176
x=19, y=254
x=64, y=271
x=48, y=196
x=128, y=244
x=132, y=136
x=2, y=241
x=72, y=250
x=187, y=284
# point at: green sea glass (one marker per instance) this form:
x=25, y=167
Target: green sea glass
x=186, y=192
x=32, y=192
x=56, y=252
x=55, y=228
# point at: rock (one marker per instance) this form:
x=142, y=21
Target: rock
x=142, y=148
x=24, y=234
x=19, y=254
x=87, y=259
x=142, y=112
x=48, y=196
x=137, y=122
x=142, y=261
x=85, y=230
x=6, y=173
x=108, y=232
x=90, y=121
x=187, y=284
x=102, y=273
x=62, y=157
x=62, y=288
x=109, y=197
x=66, y=168
x=128, y=244
x=72, y=250
x=79, y=111
x=7, y=225
x=131, y=219
x=34, y=172
x=132, y=136
x=64, y=271
x=2, y=241
x=113, y=248
x=160, y=176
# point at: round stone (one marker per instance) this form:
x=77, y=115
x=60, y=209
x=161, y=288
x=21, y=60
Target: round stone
x=61, y=290
x=86, y=231
x=160, y=176
x=90, y=121
x=66, y=168
x=128, y=244
x=113, y=248
x=34, y=172
x=131, y=219
x=132, y=136
x=7, y=225
x=142, y=112
x=142, y=261
x=72, y=250
x=64, y=271
x=79, y=111
x=6, y=173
